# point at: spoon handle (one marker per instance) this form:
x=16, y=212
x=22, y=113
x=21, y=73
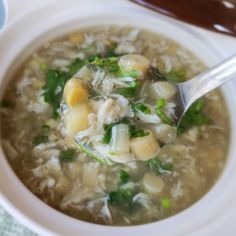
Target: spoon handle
x=207, y=81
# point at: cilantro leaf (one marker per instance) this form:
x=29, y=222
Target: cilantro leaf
x=55, y=83
x=124, y=177
x=53, y=89
x=42, y=137
x=159, y=167
x=122, y=197
x=127, y=92
x=75, y=66
x=130, y=91
x=68, y=155
x=194, y=117
x=110, y=64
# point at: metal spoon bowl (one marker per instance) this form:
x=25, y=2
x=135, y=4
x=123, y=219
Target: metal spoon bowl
x=191, y=90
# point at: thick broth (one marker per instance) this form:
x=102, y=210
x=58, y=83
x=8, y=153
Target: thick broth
x=33, y=139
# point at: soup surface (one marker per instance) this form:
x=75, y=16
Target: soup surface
x=50, y=164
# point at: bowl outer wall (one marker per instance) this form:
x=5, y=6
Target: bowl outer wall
x=201, y=217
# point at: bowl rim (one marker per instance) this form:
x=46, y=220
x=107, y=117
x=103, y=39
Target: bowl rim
x=10, y=203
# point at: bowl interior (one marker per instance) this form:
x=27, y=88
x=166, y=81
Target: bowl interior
x=33, y=212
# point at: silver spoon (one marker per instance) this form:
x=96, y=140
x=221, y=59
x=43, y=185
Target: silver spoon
x=191, y=90
x=187, y=93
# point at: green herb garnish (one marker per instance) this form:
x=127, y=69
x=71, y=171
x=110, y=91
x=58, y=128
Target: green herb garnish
x=134, y=133
x=110, y=64
x=165, y=203
x=55, y=83
x=90, y=152
x=122, y=197
x=127, y=92
x=108, y=129
x=75, y=66
x=138, y=133
x=43, y=136
x=111, y=51
x=132, y=73
x=68, y=155
x=194, y=117
x=53, y=89
x=130, y=91
x=160, y=105
x=43, y=66
x=140, y=107
x=159, y=167
x=177, y=76
x=124, y=177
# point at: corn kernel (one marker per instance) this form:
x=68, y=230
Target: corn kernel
x=76, y=119
x=76, y=38
x=75, y=92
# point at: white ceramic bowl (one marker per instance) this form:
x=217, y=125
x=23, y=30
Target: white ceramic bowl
x=28, y=32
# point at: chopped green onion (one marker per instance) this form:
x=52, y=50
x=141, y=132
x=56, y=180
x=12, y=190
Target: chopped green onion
x=160, y=105
x=90, y=152
x=43, y=66
x=165, y=203
x=140, y=107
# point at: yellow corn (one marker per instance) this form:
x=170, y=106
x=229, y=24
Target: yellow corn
x=76, y=119
x=76, y=38
x=75, y=92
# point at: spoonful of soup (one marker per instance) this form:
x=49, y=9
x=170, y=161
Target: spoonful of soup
x=122, y=109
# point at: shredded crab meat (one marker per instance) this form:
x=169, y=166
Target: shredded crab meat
x=92, y=131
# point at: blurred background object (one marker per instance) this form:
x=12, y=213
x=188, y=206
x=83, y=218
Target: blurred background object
x=216, y=15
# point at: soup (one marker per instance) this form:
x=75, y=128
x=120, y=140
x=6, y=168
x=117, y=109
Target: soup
x=36, y=142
